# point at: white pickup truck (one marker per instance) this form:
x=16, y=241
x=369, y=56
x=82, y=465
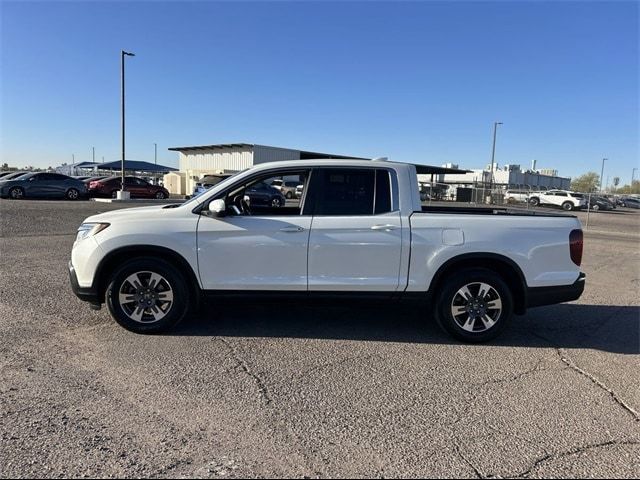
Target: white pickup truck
x=359, y=229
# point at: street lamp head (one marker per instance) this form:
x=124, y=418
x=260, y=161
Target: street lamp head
x=127, y=53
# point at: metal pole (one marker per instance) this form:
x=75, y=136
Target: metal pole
x=155, y=161
x=93, y=154
x=122, y=54
x=633, y=175
x=602, y=173
x=493, y=154
x=122, y=118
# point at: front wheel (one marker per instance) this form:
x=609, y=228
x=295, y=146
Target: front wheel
x=16, y=193
x=72, y=194
x=595, y=208
x=147, y=295
x=567, y=206
x=534, y=202
x=160, y=195
x=474, y=306
x=276, y=202
x=289, y=195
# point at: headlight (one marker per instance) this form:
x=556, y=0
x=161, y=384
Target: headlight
x=88, y=229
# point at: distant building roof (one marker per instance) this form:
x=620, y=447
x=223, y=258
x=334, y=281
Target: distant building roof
x=135, y=165
x=304, y=154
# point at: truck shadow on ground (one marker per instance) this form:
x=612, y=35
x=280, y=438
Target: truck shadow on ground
x=608, y=328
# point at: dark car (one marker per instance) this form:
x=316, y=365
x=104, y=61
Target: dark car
x=43, y=185
x=600, y=203
x=630, y=202
x=11, y=175
x=137, y=188
x=264, y=195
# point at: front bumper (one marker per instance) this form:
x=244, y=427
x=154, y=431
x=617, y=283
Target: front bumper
x=86, y=294
x=538, y=296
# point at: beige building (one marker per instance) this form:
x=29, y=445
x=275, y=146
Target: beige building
x=197, y=161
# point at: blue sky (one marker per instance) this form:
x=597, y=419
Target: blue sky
x=419, y=81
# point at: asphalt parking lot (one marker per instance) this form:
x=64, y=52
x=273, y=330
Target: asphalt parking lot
x=321, y=390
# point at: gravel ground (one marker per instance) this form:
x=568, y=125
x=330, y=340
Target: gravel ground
x=320, y=390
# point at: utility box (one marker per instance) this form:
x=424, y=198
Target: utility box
x=175, y=183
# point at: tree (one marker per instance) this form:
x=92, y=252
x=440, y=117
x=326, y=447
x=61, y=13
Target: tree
x=586, y=183
x=634, y=188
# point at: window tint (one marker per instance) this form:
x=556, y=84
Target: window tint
x=383, y=192
x=342, y=191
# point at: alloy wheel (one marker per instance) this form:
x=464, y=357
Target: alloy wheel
x=145, y=297
x=476, y=307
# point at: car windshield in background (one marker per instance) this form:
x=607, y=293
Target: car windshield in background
x=15, y=176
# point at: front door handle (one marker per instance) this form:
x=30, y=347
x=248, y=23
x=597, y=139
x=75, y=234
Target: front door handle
x=386, y=228
x=292, y=229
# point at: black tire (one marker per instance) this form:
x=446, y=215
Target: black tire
x=567, y=206
x=476, y=330
x=276, y=202
x=16, y=193
x=72, y=194
x=160, y=195
x=114, y=193
x=595, y=208
x=123, y=313
x=289, y=195
x=535, y=201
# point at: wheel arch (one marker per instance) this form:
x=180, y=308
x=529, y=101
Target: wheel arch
x=115, y=258
x=500, y=264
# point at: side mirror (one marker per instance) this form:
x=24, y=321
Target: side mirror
x=218, y=208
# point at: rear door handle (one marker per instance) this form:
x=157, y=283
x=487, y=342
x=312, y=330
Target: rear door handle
x=292, y=229
x=386, y=228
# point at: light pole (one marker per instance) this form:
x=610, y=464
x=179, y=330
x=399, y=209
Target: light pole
x=493, y=155
x=93, y=154
x=633, y=175
x=155, y=161
x=122, y=194
x=602, y=173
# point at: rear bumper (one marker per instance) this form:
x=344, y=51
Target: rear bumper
x=86, y=294
x=539, y=296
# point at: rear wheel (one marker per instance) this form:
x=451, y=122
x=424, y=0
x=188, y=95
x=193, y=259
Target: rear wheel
x=289, y=195
x=16, y=193
x=475, y=305
x=114, y=194
x=147, y=295
x=535, y=201
x=160, y=195
x=276, y=202
x=595, y=208
x=72, y=194
x=567, y=206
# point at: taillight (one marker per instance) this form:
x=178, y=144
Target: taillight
x=94, y=184
x=575, y=246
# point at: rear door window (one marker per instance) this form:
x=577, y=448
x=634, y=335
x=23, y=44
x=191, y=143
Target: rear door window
x=348, y=192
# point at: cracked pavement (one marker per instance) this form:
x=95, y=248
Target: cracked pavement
x=322, y=390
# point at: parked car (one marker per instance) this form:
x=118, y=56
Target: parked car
x=4, y=174
x=87, y=181
x=362, y=231
x=597, y=202
x=208, y=181
x=561, y=198
x=137, y=188
x=264, y=195
x=11, y=175
x=516, y=196
x=299, y=190
x=286, y=188
x=630, y=202
x=43, y=185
